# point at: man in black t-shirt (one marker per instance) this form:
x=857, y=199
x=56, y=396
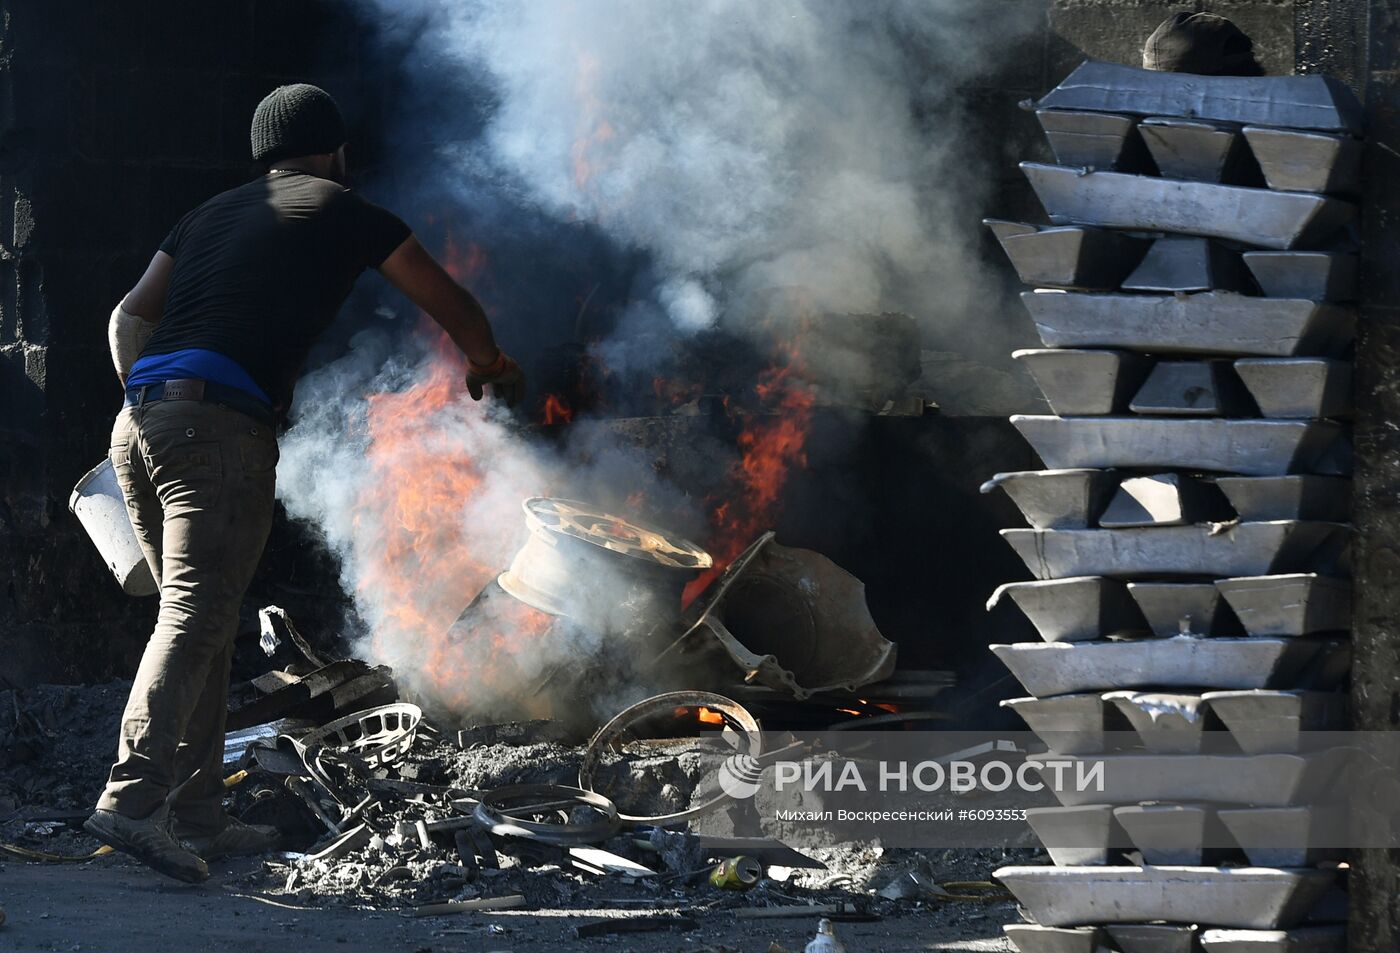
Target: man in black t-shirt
x=209, y=344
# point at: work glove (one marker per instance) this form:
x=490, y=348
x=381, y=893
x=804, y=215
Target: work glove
x=504, y=376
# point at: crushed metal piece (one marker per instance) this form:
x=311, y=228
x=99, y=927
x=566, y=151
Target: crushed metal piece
x=269, y=619
x=791, y=619
x=736, y=717
x=377, y=736
x=514, y=810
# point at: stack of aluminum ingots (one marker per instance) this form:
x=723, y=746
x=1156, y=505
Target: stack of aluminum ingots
x=1194, y=295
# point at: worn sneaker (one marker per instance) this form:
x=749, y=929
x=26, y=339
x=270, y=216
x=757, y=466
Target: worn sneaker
x=237, y=839
x=149, y=841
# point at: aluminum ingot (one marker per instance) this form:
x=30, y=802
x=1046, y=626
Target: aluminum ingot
x=1059, y=668
x=1314, y=275
x=1295, y=102
x=1253, y=447
x=1254, y=549
x=1152, y=937
x=1288, y=836
x=1186, y=834
x=1199, y=151
x=1253, y=897
x=1069, y=257
x=1075, y=610
x=1300, y=497
x=1268, y=722
x=1225, y=324
x=1068, y=724
x=1298, y=388
x=1093, y=139
x=1296, y=604
x=1167, y=723
x=1163, y=499
x=1177, y=264
x=1078, y=836
x=1307, y=161
x=1192, y=389
x=1085, y=383
x=1058, y=499
x=1262, y=217
x=1183, y=608
x=1262, y=780
x=1319, y=939
x=1033, y=938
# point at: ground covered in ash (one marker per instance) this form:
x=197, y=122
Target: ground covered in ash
x=56, y=744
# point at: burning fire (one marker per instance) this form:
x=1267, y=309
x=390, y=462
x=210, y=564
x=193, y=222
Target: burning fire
x=770, y=445
x=421, y=559
x=556, y=410
x=705, y=716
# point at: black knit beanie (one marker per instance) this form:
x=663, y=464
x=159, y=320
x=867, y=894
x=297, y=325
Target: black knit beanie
x=296, y=120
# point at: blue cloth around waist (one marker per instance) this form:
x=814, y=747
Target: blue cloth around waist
x=194, y=364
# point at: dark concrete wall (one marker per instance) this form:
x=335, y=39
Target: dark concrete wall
x=1371, y=45
x=115, y=119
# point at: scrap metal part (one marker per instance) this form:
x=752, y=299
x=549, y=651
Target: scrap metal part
x=377, y=736
x=589, y=565
x=515, y=810
x=790, y=619
x=343, y=685
x=736, y=718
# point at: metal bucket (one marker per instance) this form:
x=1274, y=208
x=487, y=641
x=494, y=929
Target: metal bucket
x=98, y=504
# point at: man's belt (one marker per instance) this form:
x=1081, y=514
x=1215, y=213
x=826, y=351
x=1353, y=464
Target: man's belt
x=208, y=391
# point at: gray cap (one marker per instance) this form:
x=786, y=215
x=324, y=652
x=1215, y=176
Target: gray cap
x=1201, y=43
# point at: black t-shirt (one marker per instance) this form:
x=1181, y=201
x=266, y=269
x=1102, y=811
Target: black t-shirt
x=261, y=270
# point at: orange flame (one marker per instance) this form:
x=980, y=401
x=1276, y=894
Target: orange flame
x=770, y=445
x=419, y=560
x=557, y=410
x=705, y=716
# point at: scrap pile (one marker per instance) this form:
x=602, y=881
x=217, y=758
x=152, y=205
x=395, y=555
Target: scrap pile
x=1188, y=533
x=388, y=814
x=385, y=806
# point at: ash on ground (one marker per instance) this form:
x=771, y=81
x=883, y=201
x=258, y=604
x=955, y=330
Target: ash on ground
x=57, y=742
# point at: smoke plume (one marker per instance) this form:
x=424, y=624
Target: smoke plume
x=690, y=160
x=741, y=146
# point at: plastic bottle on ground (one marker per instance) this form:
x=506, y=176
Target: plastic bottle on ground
x=825, y=941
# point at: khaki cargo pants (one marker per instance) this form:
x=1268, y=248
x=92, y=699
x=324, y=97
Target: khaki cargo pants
x=199, y=481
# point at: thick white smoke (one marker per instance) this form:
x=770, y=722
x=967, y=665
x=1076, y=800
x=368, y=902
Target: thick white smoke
x=739, y=147
x=744, y=146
